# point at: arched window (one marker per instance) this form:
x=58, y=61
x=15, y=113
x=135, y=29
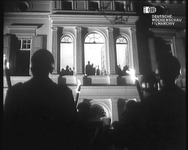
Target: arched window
x=122, y=55
x=66, y=53
x=94, y=50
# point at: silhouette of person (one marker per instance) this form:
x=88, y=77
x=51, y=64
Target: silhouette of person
x=38, y=113
x=157, y=122
x=89, y=69
x=93, y=69
x=67, y=70
x=119, y=72
x=97, y=71
x=62, y=72
x=166, y=109
x=83, y=109
x=125, y=69
x=70, y=71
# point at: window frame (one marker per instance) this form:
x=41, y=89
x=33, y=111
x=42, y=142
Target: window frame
x=27, y=44
x=67, y=41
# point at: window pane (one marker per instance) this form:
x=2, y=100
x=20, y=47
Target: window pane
x=95, y=53
x=66, y=55
x=94, y=38
x=25, y=44
x=122, y=55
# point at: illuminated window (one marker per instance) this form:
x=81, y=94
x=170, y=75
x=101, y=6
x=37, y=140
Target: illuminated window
x=66, y=53
x=25, y=44
x=122, y=53
x=95, y=53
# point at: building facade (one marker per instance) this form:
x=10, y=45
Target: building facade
x=110, y=36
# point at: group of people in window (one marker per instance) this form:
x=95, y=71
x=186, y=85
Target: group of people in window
x=66, y=71
x=91, y=70
x=122, y=72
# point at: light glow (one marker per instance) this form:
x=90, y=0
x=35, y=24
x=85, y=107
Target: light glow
x=131, y=72
x=78, y=86
x=6, y=62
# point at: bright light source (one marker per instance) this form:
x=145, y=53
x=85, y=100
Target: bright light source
x=7, y=65
x=5, y=60
x=4, y=57
x=78, y=86
x=131, y=72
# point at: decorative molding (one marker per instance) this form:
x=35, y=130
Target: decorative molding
x=23, y=30
x=67, y=19
x=162, y=31
x=110, y=29
x=26, y=15
x=54, y=28
x=78, y=28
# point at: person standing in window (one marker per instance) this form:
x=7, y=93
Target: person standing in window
x=89, y=69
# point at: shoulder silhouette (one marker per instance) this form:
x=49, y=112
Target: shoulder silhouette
x=39, y=113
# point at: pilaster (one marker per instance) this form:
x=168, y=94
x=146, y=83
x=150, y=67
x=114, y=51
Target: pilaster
x=111, y=51
x=79, y=52
x=54, y=47
x=134, y=50
x=111, y=57
x=115, y=116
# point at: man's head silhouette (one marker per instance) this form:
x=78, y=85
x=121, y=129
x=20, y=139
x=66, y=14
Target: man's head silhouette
x=42, y=63
x=168, y=69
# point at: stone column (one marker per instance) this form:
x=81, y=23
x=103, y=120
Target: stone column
x=111, y=57
x=54, y=47
x=134, y=50
x=79, y=54
x=115, y=116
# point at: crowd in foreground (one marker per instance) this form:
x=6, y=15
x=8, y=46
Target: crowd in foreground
x=40, y=114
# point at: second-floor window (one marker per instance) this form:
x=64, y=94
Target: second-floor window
x=66, y=55
x=95, y=56
x=122, y=55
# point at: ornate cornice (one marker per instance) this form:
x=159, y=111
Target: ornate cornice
x=26, y=15
x=101, y=20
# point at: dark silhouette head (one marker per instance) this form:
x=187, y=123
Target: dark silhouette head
x=83, y=110
x=168, y=69
x=42, y=63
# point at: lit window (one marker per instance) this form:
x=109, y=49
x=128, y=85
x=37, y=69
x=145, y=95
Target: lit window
x=66, y=54
x=94, y=50
x=25, y=44
x=122, y=55
x=94, y=38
